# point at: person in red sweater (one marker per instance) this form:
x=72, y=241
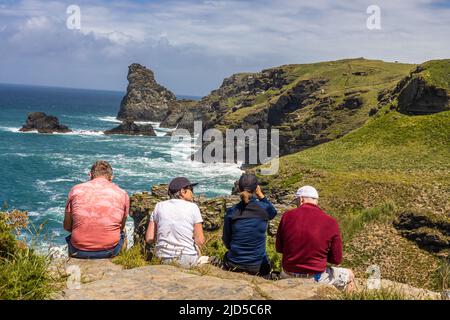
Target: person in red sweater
x=308, y=238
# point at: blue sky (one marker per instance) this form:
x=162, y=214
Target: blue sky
x=193, y=45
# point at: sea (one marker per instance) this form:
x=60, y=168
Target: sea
x=37, y=171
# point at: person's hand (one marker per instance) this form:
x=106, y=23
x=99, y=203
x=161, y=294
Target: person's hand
x=259, y=193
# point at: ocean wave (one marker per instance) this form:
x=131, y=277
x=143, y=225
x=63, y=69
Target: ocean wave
x=9, y=129
x=109, y=119
x=74, y=132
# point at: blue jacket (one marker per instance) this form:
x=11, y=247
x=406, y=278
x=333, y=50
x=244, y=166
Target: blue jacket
x=244, y=231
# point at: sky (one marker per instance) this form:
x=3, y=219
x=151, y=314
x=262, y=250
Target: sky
x=193, y=45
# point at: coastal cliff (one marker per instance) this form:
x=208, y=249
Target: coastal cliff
x=308, y=103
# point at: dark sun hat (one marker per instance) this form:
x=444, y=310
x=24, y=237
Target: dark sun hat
x=179, y=183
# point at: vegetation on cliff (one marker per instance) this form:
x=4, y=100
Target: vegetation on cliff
x=23, y=273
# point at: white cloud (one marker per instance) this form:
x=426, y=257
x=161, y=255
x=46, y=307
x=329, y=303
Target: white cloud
x=192, y=45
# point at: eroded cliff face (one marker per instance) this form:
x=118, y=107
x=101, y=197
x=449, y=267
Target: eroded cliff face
x=145, y=100
x=417, y=97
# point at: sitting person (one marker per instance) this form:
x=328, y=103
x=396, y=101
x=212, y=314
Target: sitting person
x=308, y=238
x=245, y=228
x=176, y=226
x=96, y=212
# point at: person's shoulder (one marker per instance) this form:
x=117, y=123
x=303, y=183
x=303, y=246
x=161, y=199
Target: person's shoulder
x=233, y=208
x=81, y=186
x=118, y=189
x=328, y=217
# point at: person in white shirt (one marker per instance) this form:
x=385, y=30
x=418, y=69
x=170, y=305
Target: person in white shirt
x=176, y=226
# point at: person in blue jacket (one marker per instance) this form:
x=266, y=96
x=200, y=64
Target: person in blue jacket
x=245, y=229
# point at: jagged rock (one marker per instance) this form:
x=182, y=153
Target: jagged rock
x=351, y=103
x=43, y=123
x=130, y=128
x=145, y=99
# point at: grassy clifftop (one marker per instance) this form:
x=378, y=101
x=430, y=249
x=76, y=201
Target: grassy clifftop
x=393, y=165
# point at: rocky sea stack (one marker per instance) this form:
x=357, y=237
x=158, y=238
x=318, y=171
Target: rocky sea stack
x=131, y=128
x=43, y=123
x=145, y=99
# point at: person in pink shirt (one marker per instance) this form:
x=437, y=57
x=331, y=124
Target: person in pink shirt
x=96, y=212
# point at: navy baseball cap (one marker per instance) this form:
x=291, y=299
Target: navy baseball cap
x=248, y=181
x=179, y=183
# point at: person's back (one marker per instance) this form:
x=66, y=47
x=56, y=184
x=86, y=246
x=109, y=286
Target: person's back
x=175, y=220
x=248, y=228
x=245, y=227
x=176, y=225
x=98, y=209
x=308, y=239
x=95, y=215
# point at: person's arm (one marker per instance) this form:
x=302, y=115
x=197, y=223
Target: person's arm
x=150, y=234
x=199, y=237
x=68, y=220
x=335, y=253
x=197, y=219
x=266, y=203
x=226, y=234
x=126, y=211
x=279, y=238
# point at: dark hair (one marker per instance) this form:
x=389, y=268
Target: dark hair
x=101, y=169
x=245, y=196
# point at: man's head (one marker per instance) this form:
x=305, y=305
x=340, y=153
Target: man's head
x=181, y=188
x=306, y=194
x=101, y=169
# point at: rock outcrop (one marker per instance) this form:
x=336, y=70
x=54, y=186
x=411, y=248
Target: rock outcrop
x=418, y=96
x=43, y=123
x=128, y=127
x=103, y=280
x=106, y=281
x=145, y=99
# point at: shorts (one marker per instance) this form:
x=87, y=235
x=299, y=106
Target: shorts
x=338, y=277
x=185, y=261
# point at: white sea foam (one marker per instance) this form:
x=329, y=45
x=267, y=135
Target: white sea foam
x=9, y=129
x=83, y=133
x=109, y=119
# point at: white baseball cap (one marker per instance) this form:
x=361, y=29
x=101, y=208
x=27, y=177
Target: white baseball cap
x=307, y=192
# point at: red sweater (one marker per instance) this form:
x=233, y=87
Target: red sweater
x=308, y=238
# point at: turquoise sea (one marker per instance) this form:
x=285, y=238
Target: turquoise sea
x=38, y=170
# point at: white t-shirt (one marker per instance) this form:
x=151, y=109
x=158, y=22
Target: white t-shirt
x=175, y=221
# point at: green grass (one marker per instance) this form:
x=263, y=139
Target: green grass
x=437, y=72
x=131, y=258
x=380, y=294
x=353, y=221
x=392, y=141
x=23, y=273
x=24, y=276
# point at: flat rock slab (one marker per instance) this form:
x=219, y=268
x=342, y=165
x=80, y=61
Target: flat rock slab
x=165, y=282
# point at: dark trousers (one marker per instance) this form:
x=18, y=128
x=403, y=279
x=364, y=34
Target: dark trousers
x=262, y=269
